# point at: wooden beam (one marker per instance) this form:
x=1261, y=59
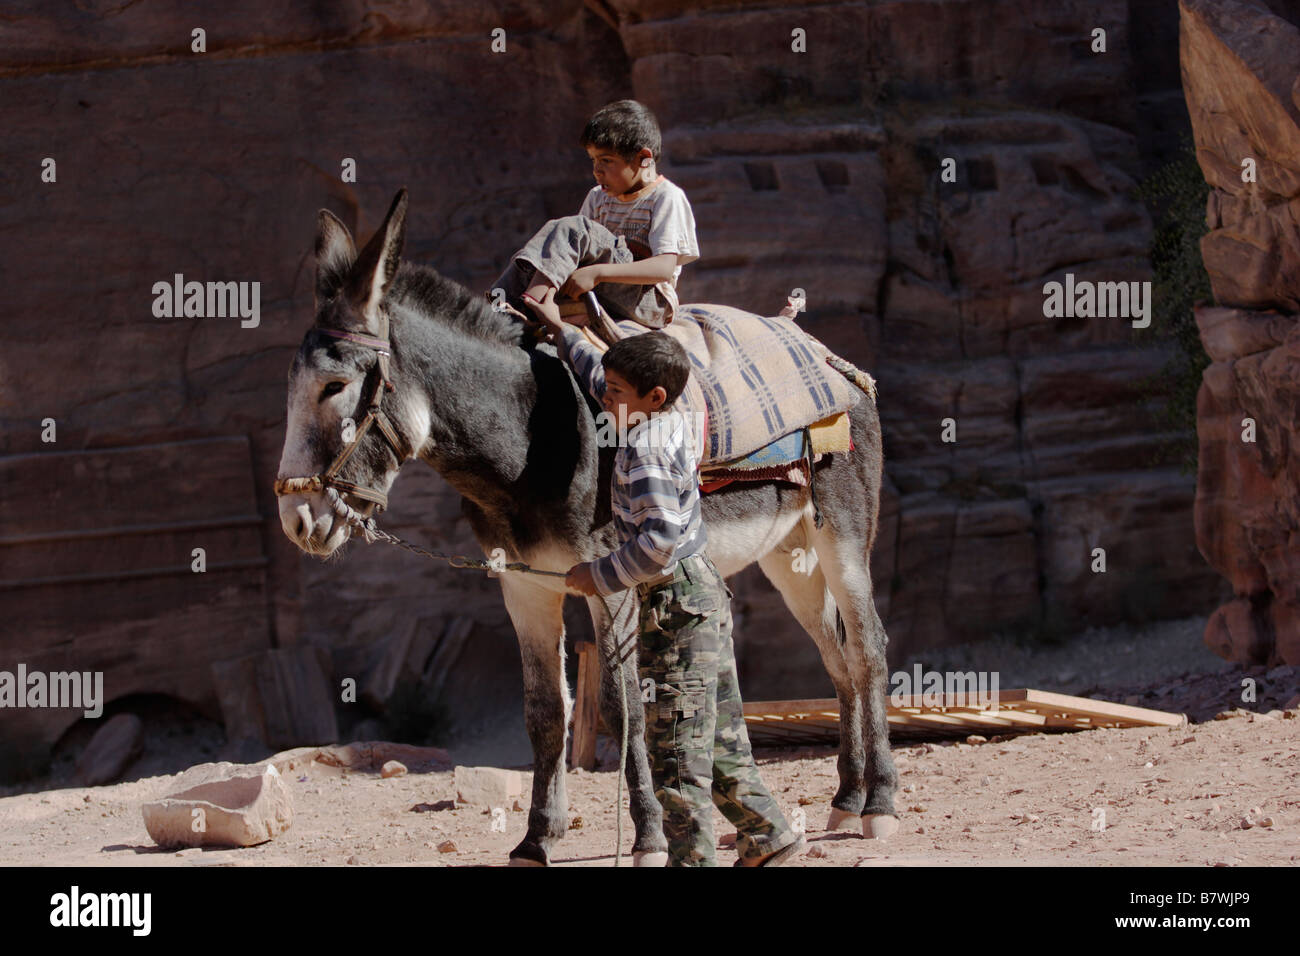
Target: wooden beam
x=586, y=709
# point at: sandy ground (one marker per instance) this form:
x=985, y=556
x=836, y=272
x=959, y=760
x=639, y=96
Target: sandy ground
x=1170, y=796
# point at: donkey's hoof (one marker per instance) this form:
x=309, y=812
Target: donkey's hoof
x=879, y=826
x=524, y=861
x=841, y=820
x=650, y=858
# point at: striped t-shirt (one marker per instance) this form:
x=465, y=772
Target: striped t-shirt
x=661, y=221
x=654, y=491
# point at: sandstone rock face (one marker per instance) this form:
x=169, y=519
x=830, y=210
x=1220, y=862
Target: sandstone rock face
x=1241, y=73
x=281, y=697
x=819, y=171
x=812, y=170
x=234, y=197
x=221, y=804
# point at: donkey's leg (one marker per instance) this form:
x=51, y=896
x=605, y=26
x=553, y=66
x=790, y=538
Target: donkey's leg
x=808, y=599
x=845, y=566
x=537, y=614
x=618, y=639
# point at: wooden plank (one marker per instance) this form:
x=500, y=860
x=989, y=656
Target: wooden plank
x=1102, y=708
x=586, y=708
x=1001, y=718
x=1017, y=710
x=826, y=705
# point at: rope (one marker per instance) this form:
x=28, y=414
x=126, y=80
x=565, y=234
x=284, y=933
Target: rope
x=372, y=533
x=854, y=374
x=622, y=750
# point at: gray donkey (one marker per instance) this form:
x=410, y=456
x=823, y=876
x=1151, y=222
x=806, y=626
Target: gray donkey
x=447, y=379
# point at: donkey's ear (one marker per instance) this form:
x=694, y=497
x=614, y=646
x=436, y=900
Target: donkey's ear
x=335, y=254
x=378, y=263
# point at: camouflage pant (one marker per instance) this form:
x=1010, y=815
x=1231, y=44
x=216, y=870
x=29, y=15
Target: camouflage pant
x=695, y=729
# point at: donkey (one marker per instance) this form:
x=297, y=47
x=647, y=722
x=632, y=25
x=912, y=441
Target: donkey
x=503, y=420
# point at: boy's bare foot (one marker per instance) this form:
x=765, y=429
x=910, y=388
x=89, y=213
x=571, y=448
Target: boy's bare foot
x=537, y=288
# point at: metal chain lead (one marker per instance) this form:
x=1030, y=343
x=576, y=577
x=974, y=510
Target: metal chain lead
x=372, y=532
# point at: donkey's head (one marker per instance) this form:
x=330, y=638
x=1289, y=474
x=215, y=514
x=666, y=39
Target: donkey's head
x=345, y=437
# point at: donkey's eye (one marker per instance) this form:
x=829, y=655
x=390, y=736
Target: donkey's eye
x=333, y=388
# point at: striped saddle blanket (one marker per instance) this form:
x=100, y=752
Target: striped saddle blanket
x=755, y=378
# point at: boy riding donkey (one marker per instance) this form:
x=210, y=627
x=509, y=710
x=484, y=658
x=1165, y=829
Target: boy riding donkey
x=631, y=239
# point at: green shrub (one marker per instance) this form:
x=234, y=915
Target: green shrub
x=1176, y=195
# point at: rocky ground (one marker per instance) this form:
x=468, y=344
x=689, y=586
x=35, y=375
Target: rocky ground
x=1222, y=791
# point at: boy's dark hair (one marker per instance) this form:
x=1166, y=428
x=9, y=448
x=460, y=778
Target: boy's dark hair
x=625, y=127
x=648, y=359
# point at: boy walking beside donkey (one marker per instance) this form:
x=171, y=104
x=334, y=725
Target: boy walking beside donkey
x=695, y=729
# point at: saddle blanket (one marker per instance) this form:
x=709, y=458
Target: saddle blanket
x=755, y=378
x=783, y=459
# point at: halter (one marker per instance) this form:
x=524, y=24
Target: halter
x=374, y=416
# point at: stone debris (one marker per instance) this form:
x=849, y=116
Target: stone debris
x=488, y=787
x=110, y=751
x=393, y=768
x=221, y=804
x=368, y=755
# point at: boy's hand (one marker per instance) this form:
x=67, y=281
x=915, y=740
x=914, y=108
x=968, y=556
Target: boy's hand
x=582, y=281
x=579, y=579
x=548, y=313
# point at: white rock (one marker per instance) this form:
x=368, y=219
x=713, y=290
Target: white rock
x=488, y=787
x=221, y=804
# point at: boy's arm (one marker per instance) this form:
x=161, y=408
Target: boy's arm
x=652, y=477
x=585, y=359
x=642, y=272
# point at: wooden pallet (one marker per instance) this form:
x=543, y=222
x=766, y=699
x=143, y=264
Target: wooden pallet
x=1017, y=711
x=785, y=722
